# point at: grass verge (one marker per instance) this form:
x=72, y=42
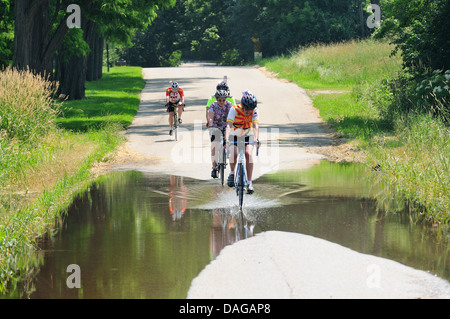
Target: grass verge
x=341, y=79
x=40, y=179
x=345, y=83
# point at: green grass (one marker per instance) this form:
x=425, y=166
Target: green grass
x=40, y=179
x=352, y=70
x=336, y=66
x=415, y=166
x=351, y=117
x=413, y=153
x=114, y=99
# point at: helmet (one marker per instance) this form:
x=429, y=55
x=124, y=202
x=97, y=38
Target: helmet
x=222, y=86
x=248, y=100
x=174, y=86
x=221, y=93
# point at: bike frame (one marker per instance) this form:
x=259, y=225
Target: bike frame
x=222, y=160
x=175, y=118
x=240, y=178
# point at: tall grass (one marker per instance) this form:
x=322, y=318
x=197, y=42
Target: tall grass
x=338, y=66
x=27, y=116
x=27, y=109
x=417, y=170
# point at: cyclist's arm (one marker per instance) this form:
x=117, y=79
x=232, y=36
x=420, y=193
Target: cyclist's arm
x=181, y=93
x=210, y=117
x=208, y=104
x=256, y=130
x=228, y=130
x=167, y=95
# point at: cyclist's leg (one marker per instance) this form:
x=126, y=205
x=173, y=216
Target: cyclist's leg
x=170, y=109
x=249, y=164
x=215, y=139
x=249, y=158
x=180, y=111
x=233, y=158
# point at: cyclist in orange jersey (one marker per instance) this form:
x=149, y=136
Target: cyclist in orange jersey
x=243, y=122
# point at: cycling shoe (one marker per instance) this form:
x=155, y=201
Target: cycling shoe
x=230, y=180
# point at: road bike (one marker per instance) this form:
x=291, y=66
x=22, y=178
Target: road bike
x=222, y=161
x=175, y=118
x=240, y=178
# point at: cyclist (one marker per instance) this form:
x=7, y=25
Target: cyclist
x=243, y=122
x=223, y=85
x=174, y=97
x=217, y=121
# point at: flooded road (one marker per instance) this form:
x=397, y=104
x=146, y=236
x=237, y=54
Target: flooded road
x=140, y=235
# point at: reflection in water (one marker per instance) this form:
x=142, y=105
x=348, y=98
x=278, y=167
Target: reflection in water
x=146, y=236
x=177, y=197
x=227, y=228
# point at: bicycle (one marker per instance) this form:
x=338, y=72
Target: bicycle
x=222, y=161
x=240, y=179
x=175, y=118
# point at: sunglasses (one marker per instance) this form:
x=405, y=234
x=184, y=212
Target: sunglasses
x=221, y=100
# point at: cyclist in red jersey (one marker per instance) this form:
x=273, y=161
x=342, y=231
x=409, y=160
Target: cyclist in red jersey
x=174, y=97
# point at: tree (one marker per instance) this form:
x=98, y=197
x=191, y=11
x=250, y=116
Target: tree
x=419, y=30
x=284, y=25
x=6, y=32
x=40, y=27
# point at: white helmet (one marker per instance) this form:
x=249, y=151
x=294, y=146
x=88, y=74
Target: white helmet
x=174, y=86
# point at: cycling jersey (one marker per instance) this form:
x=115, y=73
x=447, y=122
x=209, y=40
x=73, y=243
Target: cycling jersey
x=220, y=114
x=242, y=124
x=174, y=97
x=213, y=99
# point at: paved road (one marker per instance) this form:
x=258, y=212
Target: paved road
x=271, y=264
x=284, y=265
x=287, y=120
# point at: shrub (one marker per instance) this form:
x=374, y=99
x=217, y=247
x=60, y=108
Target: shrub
x=231, y=57
x=173, y=60
x=27, y=111
x=408, y=95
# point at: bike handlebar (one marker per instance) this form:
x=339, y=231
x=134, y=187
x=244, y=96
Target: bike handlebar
x=258, y=144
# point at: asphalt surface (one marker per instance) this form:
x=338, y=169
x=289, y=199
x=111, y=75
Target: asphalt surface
x=281, y=265
x=288, y=122
x=271, y=264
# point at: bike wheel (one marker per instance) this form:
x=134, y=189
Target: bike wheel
x=175, y=126
x=241, y=186
x=222, y=173
x=222, y=166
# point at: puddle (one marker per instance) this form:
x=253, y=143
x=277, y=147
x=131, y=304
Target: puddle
x=138, y=235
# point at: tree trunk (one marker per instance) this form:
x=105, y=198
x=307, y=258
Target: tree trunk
x=31, y=18
x=34, y=45
x=95, y=57
x=362, y=20
x=72, y=75
x=101, y=42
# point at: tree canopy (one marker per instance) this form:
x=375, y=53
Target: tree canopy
x=42, y=38
x=207, y=29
